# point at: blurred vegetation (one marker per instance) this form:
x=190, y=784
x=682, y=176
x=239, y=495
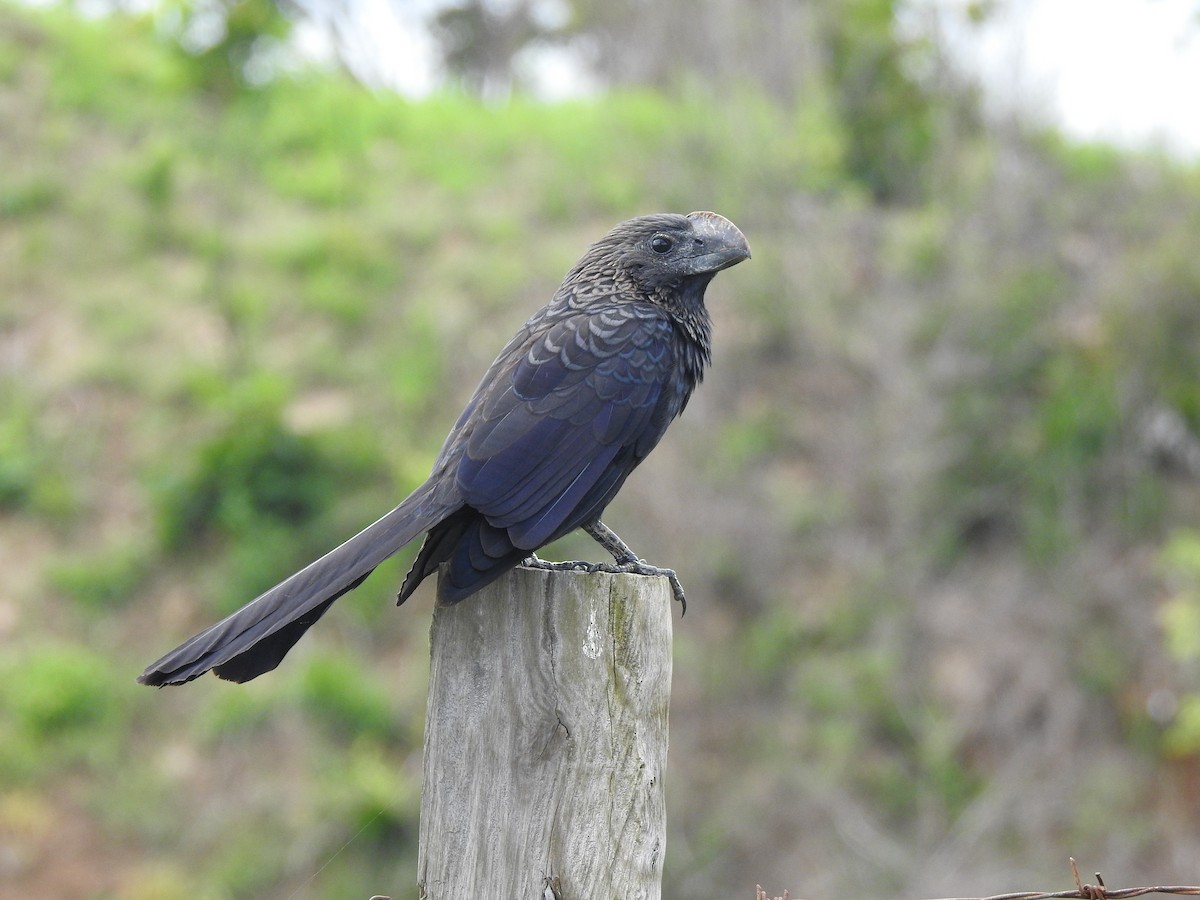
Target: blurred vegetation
x=920, y=511
x=890, y=118
x=1181, y=626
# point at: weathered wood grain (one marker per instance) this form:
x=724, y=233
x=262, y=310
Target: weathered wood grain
x=546, y=740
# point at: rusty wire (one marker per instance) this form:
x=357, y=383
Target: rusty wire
x=1081, y=891
x=1093, y=892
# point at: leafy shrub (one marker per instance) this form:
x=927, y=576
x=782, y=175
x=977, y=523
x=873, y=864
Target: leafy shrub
x=1180, y=619
x=31, y=477
x=254, y=470
x=59, y=705
x=100, y=581
x=257, y=495
x=1035, y=422
x=888, y=115
x=28, y=197
x=58, y=692
x=343, y=696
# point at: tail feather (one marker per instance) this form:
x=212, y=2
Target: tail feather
x=255, y=639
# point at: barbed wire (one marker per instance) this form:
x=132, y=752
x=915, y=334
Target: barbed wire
x=1081, y=891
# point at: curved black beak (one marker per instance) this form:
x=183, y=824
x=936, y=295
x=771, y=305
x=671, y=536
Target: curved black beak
x=718, y=243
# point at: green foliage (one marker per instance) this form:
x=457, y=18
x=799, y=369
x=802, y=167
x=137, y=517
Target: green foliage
x=375, y=793
x=889, y=117
x=28, y=197
x=31, y=476
x=258, y=490
x=251, y=859
x=862, y=728
x=919, y=241
x=19, y=458
x=222, y=40
x=1076, y=421
x=1037, y=424
x=113, y=68
x=1183, y=737
x=254, y=470
x=344, y=268
x=157, y=175
x=58, y=692
x=234, y=713
x=60, y=705
x=1180, y=620
x=341, y=695
x=1160, y=334
x=1058, y=372
x=744, y=440
x=409, y=378
x=1086, y=163
x=102, y=581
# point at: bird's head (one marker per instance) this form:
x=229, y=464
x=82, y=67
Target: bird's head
x=669, y=250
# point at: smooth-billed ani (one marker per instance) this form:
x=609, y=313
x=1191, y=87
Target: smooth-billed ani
x=576, y=400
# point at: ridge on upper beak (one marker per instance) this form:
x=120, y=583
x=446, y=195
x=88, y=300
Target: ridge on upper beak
x=719, y=243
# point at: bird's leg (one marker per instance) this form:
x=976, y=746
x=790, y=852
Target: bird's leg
x=611, y=542
x=627, y=561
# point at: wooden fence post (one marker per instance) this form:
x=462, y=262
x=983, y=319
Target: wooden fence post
x=546, y=740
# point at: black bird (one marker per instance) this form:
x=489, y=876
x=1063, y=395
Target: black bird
x=575, y=401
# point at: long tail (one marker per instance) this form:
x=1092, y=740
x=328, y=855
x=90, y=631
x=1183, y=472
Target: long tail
x=255, y=639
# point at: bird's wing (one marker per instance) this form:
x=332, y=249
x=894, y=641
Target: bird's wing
x=583, y=402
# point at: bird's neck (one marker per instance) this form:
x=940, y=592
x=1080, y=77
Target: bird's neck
x=686, y=305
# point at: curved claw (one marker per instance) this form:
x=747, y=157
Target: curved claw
x=628, y=561
x=641, y=567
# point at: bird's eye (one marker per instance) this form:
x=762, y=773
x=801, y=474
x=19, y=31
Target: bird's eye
x=661, y=243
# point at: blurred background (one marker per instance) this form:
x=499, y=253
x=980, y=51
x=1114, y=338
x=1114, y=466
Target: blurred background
x=936, y=506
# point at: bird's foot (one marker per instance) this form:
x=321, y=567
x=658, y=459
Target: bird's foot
x=630, y=565
x=533, y=561
x=641, y=567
